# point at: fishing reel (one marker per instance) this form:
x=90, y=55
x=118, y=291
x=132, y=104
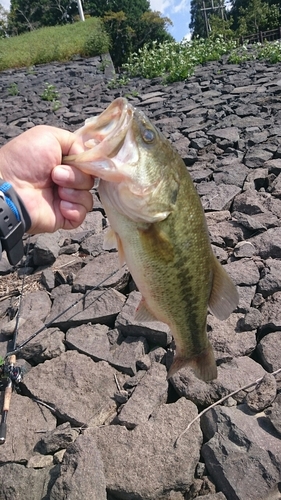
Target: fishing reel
x=10, y=374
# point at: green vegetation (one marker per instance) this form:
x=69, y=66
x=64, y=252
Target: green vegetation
x=270, y=51
x=13, y=89
x=129, y=24
x=244, y=17
x=56, y=43
x=176, y=61
x=51, y=94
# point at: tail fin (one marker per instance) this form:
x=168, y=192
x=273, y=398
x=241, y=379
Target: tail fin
x=204, y=364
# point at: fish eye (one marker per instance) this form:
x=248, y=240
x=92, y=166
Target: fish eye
x=148, y=135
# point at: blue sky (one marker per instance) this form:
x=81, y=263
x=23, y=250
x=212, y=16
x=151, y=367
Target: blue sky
x=179, y=13
x=177, y=10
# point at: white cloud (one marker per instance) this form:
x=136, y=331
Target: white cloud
x=161, y=5
x=5, y=4
x=174, y=6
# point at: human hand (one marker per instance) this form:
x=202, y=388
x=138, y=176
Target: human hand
x=56, y=196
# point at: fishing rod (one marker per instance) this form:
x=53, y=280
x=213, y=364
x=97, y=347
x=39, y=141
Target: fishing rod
x=12, y=375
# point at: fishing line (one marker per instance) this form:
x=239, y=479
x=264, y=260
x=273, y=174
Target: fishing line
x=47, y=325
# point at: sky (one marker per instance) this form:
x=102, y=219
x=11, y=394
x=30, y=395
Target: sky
x=177, y=10
x=179, y=13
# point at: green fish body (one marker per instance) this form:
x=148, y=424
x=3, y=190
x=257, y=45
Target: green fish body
x=158, y=224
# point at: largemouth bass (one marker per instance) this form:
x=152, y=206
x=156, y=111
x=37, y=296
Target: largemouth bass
x=159, y=227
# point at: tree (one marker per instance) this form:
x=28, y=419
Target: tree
x=3, y=22
x=250, y=16
x=257, y=16
x=131, y=8
x=27, y=15
x=129, y=34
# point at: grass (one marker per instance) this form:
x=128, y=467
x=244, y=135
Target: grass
x=172, y=61
x=55, y=43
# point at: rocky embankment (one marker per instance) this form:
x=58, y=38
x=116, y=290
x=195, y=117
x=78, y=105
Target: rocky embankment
x=103, y=373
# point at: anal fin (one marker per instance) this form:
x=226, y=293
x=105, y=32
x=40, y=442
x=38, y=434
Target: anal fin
x=224, y=297
x=203, y=365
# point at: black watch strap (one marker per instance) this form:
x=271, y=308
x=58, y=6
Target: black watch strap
x=14, y=222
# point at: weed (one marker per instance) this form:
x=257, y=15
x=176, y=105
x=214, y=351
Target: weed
x=13, y=89
x=118, y=82
x=50, y=93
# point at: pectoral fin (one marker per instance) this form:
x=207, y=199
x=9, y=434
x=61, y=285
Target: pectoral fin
x=224, y=296
x=142, y=312
x=112, y=240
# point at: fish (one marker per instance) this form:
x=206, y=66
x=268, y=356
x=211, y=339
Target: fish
x=158, y=225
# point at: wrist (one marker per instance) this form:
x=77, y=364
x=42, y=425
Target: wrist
x=14, y=222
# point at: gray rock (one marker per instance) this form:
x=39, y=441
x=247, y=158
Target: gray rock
x=243, y=272
x=229, y=338
x=150, y=393
x=91, y=340
x=149, y=450
x=82, y=472
x=268, y=350
x=80, y=390
x=57, y=439
x=268, y=244
x=37, y=304
x=103, y=271
x=263, y=394
x=237, y=443
x=126, y=356
x=46, y=249
x=274, y=413
x=30, y=484
x=270, y=281
x=97, y=306
x=249, y=202
x=220, y=197
x=231, y=376
x=26, y=423
x=154, y=331
x=271, y=314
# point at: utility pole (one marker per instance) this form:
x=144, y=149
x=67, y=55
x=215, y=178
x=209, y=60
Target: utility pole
x=220, y=7
x=80, y=10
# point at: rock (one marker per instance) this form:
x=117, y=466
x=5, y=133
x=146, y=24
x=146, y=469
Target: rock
x=263, y=394
x=226, y=337
x=82, y=472
x=91, y=387
x=46, y=249
x=37, y=421
x=98, y=306
x=270, y=281
x=243, y=272
x=268, y=244
x=271, y=314
x=274, y=413
x=150, y=393
x=154, y=331
x=220, y=198
x=150, y=447
x=57, y=439
x=238, y=443
x=37, y=304
x=103, y=272
x=268, y=350
x=31, y=484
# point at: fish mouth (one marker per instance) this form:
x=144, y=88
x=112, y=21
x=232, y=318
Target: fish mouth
x=111, y=123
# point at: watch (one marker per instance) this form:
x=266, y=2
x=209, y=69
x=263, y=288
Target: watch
x=14, y=222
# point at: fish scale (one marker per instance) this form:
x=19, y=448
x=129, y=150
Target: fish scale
x=159, y=227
